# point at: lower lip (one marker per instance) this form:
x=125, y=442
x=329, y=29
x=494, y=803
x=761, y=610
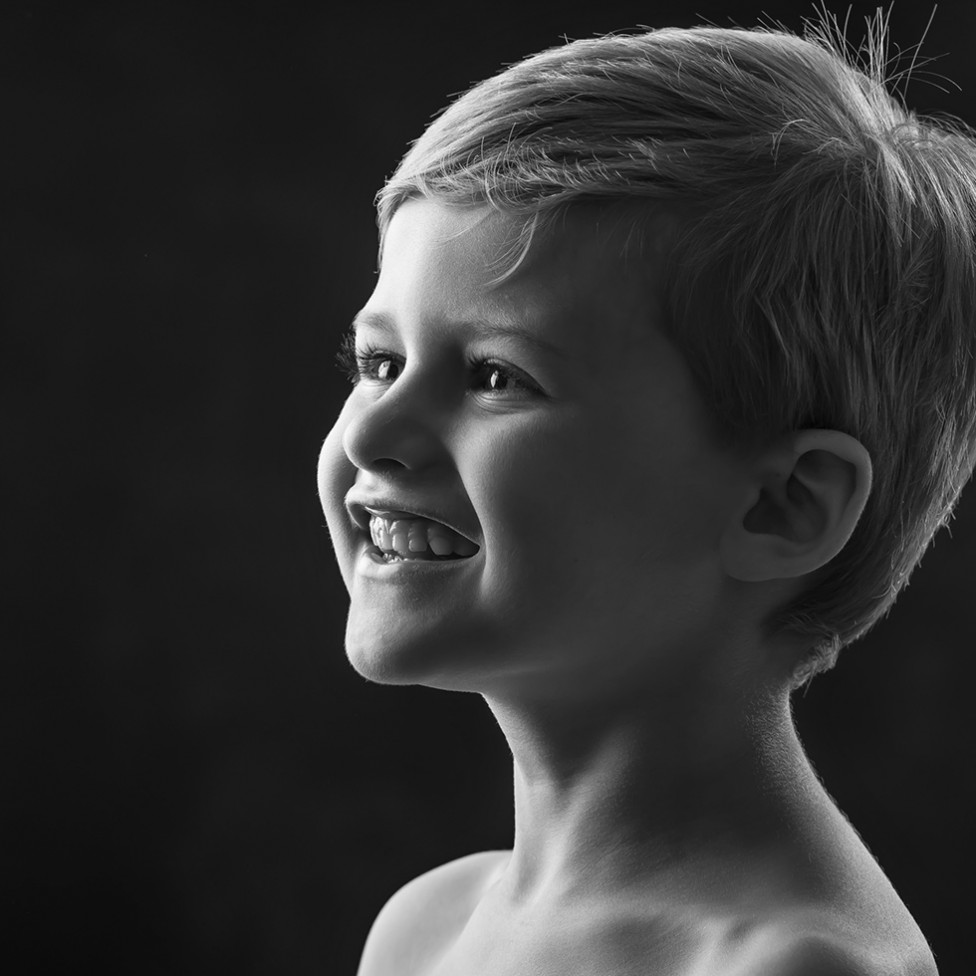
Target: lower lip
x=372, y=563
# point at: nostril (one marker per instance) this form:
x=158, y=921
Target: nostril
x=383, y=465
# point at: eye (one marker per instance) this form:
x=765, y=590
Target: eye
x=367, y=363
x=378, y=365
x=488, y=376
x=495, y=377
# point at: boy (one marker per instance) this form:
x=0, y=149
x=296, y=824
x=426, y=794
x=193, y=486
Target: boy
x=666, y=383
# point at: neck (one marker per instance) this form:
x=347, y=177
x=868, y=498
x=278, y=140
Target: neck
x=682, y=788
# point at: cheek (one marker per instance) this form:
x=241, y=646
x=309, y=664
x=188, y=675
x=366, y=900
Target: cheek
x=581, y=507
x=537, y=495
x=336, y=475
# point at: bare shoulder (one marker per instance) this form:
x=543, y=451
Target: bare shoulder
x=835, y=948
x=847, y=921
x=424, y=915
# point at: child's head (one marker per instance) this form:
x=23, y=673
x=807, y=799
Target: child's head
x=823, y=274
x=541, y=420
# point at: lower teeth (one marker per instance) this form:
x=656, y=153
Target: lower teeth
x=394, y=557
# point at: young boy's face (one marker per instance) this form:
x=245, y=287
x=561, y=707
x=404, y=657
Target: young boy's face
x=576, y=456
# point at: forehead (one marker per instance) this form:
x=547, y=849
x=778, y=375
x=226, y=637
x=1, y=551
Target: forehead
x=581, y=284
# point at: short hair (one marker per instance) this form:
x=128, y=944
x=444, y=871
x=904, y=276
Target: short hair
x=833, y=230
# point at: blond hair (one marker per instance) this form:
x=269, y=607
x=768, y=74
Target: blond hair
x=825, y=277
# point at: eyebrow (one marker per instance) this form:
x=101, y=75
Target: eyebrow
x=483, y=329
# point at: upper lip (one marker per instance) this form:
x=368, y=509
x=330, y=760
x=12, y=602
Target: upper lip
x=362, y=507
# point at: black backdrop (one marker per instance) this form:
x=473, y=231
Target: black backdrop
x=195, y=780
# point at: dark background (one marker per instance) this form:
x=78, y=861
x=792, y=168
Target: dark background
x=195, y=781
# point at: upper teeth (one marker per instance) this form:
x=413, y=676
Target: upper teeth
x=415, y=535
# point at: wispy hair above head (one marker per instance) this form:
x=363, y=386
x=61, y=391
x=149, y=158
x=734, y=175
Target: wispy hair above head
x=825, y=273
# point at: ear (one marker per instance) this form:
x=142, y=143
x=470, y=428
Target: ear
x=805, y=496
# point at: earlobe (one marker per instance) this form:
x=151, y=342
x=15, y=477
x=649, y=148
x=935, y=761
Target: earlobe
x=804, y=501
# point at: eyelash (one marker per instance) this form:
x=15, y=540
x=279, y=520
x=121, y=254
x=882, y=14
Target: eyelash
x=357, y=364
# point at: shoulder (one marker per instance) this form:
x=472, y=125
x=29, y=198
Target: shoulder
x=836, y=954
x=846, y=920
x=423, y=915
x=457, y=882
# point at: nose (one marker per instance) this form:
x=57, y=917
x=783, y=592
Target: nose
x=398, y=429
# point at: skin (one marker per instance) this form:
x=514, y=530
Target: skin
x=665, y=815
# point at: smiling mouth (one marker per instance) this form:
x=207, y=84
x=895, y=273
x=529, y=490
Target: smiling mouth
x=416, y=539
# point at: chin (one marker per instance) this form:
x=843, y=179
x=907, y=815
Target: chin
x=389, y=656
